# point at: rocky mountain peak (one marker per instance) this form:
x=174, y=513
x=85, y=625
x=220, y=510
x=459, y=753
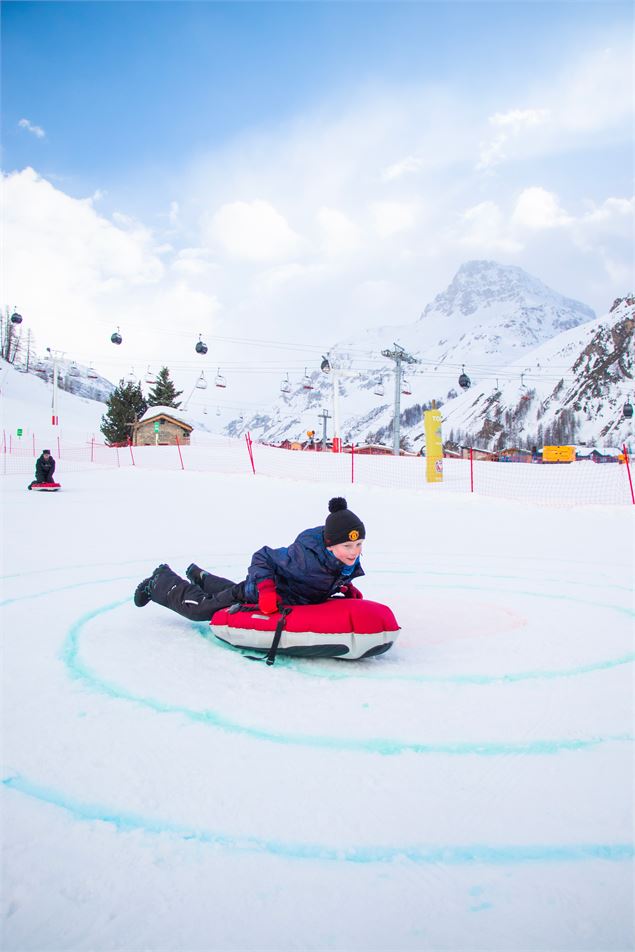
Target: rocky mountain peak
x=487, y=289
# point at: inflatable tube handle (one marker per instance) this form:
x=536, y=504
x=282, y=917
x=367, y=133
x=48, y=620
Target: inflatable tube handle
x=271, y=654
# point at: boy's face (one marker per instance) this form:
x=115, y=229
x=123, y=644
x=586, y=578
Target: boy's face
x=347, y=552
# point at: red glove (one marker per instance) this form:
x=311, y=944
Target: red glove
x=267, y=597
x=349, y=591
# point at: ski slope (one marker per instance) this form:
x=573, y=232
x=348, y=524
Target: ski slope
x=470, y=790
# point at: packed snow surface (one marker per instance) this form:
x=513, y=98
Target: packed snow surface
x=470, y=790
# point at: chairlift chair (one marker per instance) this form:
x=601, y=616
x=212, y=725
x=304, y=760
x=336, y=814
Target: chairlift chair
x=285, y=386
x=150, y=378
x=73, y=370
x=92, y=373
x=219, y=380
x=379, y=388
x=405, y=387
x=201, y=383
x=306, y=382
x=131, y=378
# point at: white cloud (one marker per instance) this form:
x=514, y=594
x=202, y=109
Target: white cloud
x=596, y=93
x=78, y=275
x=406, y=165
x=193, y=261
x=536, y=208
x=339, y=235
x=37, y=131
x=591, y=98
x=389, y=218
x=253, y=231
x=517, y=119
x=484, y=230
x=512, y=125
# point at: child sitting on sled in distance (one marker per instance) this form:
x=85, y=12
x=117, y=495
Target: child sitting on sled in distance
x=321, y=562
x=44, y=469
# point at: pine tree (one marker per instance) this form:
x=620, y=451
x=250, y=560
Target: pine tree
x=164, y=393
x=125, y=405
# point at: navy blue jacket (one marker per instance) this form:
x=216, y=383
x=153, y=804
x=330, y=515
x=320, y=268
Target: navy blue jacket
x=304, y=573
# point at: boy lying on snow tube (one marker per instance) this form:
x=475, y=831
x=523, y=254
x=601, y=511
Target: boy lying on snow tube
x=322, y=562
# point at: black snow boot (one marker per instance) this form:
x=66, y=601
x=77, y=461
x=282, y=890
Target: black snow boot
x=143, y=591
x=195, y=574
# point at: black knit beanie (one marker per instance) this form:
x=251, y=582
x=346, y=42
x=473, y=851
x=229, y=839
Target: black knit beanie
x=342, y=525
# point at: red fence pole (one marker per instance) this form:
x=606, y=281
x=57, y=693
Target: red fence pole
x=59, y=450
x=628, y=470
x=250, y=451
x=130, y=448
x=178, y=446
x=471, y=470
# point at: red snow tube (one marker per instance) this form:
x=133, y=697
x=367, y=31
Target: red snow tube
x=46, y=487
x=347, y=628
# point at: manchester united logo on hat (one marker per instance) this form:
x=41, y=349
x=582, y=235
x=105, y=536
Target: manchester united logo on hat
x=353, y=535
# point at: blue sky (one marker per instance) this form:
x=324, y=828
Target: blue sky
x=118, y=86
x=263, y=168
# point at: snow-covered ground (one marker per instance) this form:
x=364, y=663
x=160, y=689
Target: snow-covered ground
x=472, y=789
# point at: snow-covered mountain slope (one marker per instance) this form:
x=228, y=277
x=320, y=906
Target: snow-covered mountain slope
x=495, y=320
x=26, y=404
x=571, y=389
x=74, y=378
x=488, y=313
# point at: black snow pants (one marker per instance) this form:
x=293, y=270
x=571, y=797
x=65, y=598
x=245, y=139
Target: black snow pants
x=196, y=602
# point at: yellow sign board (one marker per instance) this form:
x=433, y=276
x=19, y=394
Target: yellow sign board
x=558, y=454
x=434, y=446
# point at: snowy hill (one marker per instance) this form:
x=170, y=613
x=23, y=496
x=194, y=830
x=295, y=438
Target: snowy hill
x=571, y=389
x=519, y=341
x=74, y=378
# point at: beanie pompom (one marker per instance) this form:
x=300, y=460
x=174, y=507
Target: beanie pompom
x=337, y=503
